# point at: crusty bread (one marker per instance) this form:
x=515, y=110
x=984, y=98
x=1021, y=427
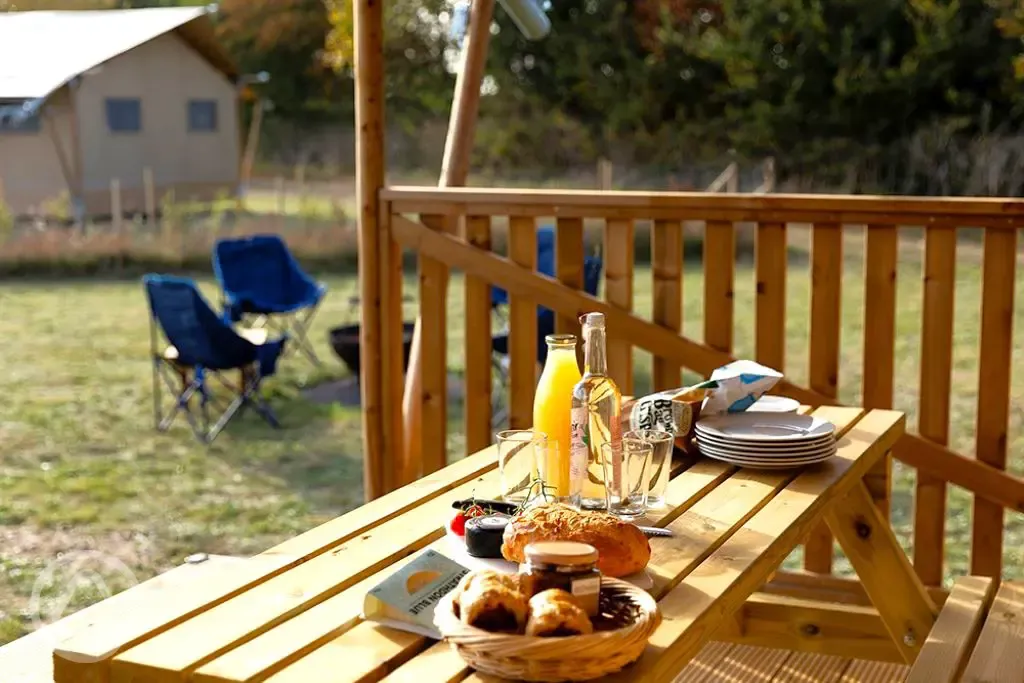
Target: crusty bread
x=622, y=548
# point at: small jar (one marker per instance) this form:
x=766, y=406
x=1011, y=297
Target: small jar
x=567, y=565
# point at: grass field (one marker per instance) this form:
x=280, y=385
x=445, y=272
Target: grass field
x=81, y=467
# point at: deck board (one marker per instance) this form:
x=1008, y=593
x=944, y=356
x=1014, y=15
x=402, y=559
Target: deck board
x=721, y=662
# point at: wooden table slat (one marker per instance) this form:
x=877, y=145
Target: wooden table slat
x=286, y=643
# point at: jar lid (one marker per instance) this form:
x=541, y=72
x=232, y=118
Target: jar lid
x=569, y=553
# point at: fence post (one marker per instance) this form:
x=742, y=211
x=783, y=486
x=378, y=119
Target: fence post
x=279, y=199
x=149, y=195
x=604, y=174
x=768, y=173
x=116, y=215
x=300, y=180
x=733, y=184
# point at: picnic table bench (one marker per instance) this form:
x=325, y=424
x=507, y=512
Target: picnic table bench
x=293, y=612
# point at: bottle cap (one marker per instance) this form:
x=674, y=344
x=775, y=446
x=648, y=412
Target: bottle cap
x=560, y=340
x=565, y=553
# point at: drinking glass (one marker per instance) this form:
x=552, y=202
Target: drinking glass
x=662, y=443
x=627, y=476
x=521, y=453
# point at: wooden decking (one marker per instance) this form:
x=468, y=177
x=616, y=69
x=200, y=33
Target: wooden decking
x=728, y=663
x=717, y=663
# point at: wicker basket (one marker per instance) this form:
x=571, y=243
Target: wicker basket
x=571, y=658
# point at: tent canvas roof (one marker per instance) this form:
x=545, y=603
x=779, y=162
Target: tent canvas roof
x=41, y=51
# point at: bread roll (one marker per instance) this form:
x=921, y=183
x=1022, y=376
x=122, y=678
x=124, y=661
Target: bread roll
x=491, y=601
x=555, y=613
x=622, y=548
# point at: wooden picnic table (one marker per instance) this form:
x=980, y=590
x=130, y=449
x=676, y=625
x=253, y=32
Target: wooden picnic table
x=293, y=613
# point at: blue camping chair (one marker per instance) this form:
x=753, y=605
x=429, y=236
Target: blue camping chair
x=201, y=346
x=592, y=267
x=259, y=277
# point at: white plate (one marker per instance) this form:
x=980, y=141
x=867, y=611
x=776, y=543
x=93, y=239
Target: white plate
x=456, y=550
x=770, y=463
x=766, y=427
x=765, y=465
x=766, y=449
x=774, y=404
x=779, y=454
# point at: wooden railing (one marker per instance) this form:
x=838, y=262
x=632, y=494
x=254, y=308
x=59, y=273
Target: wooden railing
x=452, y=229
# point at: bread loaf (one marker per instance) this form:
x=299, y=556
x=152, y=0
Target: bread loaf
x=622, y=548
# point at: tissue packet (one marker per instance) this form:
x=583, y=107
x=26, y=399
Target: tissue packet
x=735, y=387
x=732, y=388
x=674, y=411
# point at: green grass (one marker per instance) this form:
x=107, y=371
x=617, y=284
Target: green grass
x=81, y=467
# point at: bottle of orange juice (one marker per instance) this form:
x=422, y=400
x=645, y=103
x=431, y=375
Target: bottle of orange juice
x=552, y=412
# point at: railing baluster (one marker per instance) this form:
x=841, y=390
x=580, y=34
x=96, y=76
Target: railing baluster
x=933, y=422
x=879, y=314
x=826, y=278
x=879, y=342
x=998, y=271
x=569, y=266
x=477, y=231
x=434, y=354
x=770, y=315
x=522, y=248
x=667, y=271
x=392, y=371
x=618, y=288
x=719, y=279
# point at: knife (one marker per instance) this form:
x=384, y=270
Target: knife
x=654, y=531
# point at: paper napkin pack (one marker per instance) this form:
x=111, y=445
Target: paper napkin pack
x=732, y=388
x=406, y=599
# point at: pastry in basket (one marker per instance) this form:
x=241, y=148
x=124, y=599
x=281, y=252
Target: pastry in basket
x=622, y=548
x=491, y=601
x=555, y=613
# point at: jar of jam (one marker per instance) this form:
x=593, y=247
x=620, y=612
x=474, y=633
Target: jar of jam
x=567, y=565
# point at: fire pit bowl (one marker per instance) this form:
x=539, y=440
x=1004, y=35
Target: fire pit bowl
x=345, y=342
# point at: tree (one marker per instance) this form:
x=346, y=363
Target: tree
x=286, y=39
x=417, y=53
x=866, y=72
x=33, y=5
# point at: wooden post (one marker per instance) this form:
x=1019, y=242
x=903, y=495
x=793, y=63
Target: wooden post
x=369, y=70
x=454, y=171
x=149, y=195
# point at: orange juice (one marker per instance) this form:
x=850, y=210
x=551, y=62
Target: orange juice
x=552, y=409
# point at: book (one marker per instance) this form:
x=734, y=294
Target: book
x=406, y=599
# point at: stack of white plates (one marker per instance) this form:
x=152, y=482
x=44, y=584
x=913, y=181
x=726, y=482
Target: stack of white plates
x=766, y=440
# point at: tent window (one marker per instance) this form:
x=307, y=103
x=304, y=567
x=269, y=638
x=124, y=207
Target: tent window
x=202, y=116
x=9, y=123
x=124, y=115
